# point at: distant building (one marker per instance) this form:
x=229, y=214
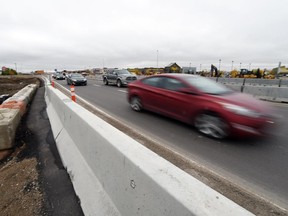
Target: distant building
x=189, y=70
x=39, y=72
x=172, y=68
x=283, y=71
x=98, y=70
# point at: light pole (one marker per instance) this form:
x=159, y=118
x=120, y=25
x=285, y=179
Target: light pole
x=15, y=67
x=240, y=66
x=232, y=66
x=219, y=64
x=249, y=66
x=157, y=59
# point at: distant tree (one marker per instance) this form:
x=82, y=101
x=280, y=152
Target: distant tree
x=9, y=71
x=258, y=74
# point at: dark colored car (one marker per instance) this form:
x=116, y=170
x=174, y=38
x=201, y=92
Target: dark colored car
x=212, y=108
x=119, y=77
x=76, y=79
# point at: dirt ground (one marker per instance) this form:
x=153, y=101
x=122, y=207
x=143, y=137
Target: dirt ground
x=19, y=178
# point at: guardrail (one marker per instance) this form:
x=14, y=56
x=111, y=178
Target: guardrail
x=115, y=175
x=272, y=90
x=253, y=82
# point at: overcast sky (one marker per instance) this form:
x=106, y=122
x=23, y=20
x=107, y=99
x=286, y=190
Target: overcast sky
x=81, y=34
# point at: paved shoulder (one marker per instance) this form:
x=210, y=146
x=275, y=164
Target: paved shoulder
x=59, y=195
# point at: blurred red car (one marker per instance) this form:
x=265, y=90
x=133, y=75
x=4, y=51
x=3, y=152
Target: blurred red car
x=212, y=108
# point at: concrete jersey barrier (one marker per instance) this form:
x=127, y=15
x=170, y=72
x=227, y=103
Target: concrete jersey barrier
x=272, y=90
x=115, y=175
x=11, y=112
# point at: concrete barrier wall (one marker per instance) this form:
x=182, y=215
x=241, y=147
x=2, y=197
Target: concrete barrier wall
x=114, y=175
x=11, y=112
x=259, y=88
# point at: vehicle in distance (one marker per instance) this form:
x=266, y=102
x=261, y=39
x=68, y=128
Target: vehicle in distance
x=76, y=79
x=58, y=76
x=212, y=108
x=119, y=77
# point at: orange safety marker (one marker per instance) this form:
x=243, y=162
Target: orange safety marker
x=53, y=84
x=73, y=96
x=15, y=105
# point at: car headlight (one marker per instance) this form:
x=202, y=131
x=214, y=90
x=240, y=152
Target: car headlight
x=74, y=80
x=239, y=110
x=85, y=79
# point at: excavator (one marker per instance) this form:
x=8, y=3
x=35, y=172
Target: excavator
x=214, y=69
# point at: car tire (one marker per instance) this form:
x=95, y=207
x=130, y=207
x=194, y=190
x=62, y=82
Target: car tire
x=136, y=104
x=211, y=125
x=106, y=81
x=119, y=83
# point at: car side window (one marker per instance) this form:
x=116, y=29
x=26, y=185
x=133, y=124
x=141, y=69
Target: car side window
x=154, y=81
x=173, y=84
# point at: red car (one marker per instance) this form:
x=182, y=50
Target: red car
x=212, y=108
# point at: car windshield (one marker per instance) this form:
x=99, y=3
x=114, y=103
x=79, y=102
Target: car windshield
x=207, y=85
x=123, y=72
x=77, y=75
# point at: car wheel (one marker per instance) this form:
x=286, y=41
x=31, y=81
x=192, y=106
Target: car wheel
x=136, y=104
x=106, y=81
x=212, y=125
x=119, y=83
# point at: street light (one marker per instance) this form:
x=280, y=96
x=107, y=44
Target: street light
x=232, y=66
x=157, y=59
x=240, y=66
x=15, y=67
x=219, y=64
x=249, y=66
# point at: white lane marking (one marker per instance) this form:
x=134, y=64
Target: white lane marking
x=122, y=91
x=96, y=85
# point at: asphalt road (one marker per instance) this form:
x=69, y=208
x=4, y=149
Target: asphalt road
x=259, y=165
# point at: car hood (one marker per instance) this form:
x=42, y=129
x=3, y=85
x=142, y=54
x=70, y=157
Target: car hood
x=245, y=100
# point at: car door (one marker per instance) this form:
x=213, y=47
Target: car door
x=175, y=103
x=111, y=76
x=151, y=95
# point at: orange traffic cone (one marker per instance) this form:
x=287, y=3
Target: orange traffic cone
x=73, y=96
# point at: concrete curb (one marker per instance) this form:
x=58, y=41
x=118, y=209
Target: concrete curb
x=114, y=175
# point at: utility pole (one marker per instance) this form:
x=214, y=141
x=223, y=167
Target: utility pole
x=157, y=58
x=278, y=70
x=157, y=61
x=219, y=64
